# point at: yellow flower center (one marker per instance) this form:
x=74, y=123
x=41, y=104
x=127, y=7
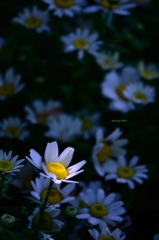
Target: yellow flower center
x=33, y=22
x=105, y=238
x=6, y=89
x=41, y=118
x=125, y=172
x=98, y=210
x=86, y=124
x=64, y=3
x=80, y=43
x=54, y=197
x=6, y=165
x=109, y=4
x=104, y=153
x=139, y=96
x=46, y=222
x=147, y=74
x=58, y=169
x=13, y=131
x=120, y=90
x=106, y=62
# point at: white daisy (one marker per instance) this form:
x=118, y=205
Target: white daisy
x=156, y=237
x=113, y=86
x=9, y=84
x=124, y=172
x=42, y=112
x=58, y=195
x=105, y=233
x=99, y=207
x=54, y=166
x=82, y=41
x=64, y=7
x=65, y=128
x=49, y=223
x=139, y=93
x=8, y=164
x=89, y=122
x=13, y=127
x=33, y=19
x=148, y=71
x=120, y=7
x=106, y=148
x=108, y=60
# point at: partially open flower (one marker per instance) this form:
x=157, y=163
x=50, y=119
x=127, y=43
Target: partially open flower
x=7, y=221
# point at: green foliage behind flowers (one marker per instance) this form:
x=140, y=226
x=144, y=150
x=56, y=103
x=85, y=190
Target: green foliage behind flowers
x=83, y=75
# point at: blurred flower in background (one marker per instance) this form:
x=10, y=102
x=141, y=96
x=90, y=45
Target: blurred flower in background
x=113, y=86
x=124, y=172
x=105, y=233
x=82, y=41
x=107, y=148
x=33, y=19
x=42, y=112
x=67, y=8
x=65, y=128
x=10, y=84
x=13, y=127
x=108, y=60
x=148, y=71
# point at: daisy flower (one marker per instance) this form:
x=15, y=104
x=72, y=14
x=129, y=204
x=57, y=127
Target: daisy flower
x=106, y=148
x=33, y=19
x=82, y=41
x=64, y=7
x=89, y=122
x=156, y=237
x=42, y=112
x=120, y=7
x=113, y=86
x=58, y=195
x=105, y=233
x=108, y=60
x=56, y=167
x=99, y=207
x=65, y=128
x=12, y=127
x=49, y=223
x=8, y=164
x=10, y=84
x=139, y=94
x=124, y=172
x=148, y=71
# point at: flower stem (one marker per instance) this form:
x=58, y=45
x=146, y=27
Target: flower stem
x=44, y=205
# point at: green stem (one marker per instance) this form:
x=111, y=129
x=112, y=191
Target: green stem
x=1, y=184
x=44, y=205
